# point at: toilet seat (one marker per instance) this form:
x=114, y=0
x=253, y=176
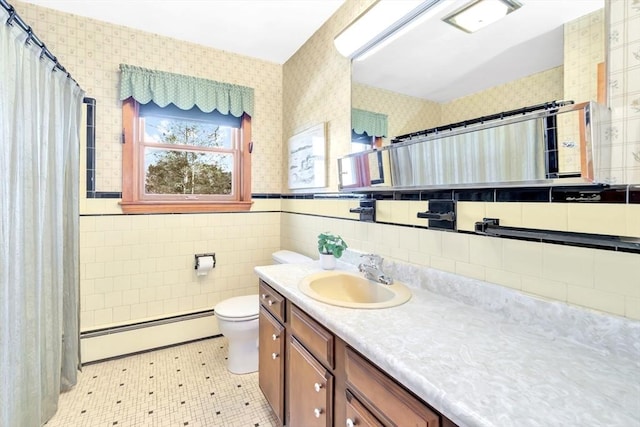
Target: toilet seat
x=238, y=309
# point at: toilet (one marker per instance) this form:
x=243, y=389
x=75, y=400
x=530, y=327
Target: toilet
x=238, y=321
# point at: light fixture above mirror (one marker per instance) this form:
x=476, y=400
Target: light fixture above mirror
x=480, y=13
x=384, y=21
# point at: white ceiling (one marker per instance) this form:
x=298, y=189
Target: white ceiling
x=439, y=62
x=272, y=30
x=434, y=61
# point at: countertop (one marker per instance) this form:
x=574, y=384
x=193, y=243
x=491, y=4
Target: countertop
x=479, y=367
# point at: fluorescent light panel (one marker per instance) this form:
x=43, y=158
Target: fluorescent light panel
x=378, y=23
x=480, y=13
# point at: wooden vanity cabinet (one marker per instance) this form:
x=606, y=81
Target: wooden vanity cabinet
x=357, y=414
x=383, y=397
x=322, y=382
x=310, y=389
x=310, y=379
x=272, y=350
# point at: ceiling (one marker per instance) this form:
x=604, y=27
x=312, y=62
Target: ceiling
x=434, y=61
x=439, y=62
x=272, y=30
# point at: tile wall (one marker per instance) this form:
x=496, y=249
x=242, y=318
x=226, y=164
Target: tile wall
x=141, y=267
x=602, y=280
x=598, y=279
x=624, y=89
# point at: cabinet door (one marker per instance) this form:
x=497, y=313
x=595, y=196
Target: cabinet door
x=271, y=362
x=310, y=388
x=358, y=415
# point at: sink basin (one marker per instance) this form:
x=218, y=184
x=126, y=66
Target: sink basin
x=352, y=290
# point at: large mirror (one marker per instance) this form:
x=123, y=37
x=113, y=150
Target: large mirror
x=435, y=74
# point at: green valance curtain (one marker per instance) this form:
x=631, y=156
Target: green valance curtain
x=184, y=92
x=374, y=124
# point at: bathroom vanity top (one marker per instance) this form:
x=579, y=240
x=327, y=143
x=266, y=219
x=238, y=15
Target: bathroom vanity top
x=477, y=367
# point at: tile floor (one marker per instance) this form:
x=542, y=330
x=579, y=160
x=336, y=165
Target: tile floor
x=186, y=385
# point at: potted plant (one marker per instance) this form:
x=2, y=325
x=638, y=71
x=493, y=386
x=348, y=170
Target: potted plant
x=330, y=246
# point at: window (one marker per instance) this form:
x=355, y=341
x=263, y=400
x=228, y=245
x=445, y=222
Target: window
x=368, y=129
x=362, y=141
x=184, y=160
x=187, y=143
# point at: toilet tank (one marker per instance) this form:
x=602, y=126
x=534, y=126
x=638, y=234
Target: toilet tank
x=289, y=257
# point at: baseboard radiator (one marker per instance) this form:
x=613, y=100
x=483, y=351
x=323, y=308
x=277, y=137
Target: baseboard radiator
x=122, y=340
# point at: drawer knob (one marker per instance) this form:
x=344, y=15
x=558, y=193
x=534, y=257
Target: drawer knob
x=350, y=423
x=275, y=337
x=264, y=296
x=270, y=303
x=317, y=412
x=317, y=387
x=274, y=356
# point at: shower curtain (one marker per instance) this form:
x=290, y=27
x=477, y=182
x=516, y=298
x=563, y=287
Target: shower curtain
x=39, y=159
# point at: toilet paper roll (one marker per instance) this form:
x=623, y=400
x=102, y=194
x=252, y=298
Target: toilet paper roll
x=205, y=264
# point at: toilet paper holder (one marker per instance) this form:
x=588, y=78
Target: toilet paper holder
x=198, y=256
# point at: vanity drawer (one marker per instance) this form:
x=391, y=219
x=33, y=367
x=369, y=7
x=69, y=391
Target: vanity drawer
x=358, y=414
x=314, y=336
x=383, y=397
x=272, y=301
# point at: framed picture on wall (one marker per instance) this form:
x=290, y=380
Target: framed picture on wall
x=307, y=158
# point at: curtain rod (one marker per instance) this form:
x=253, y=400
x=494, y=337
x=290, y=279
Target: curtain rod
x=32, y=38
x=498, y=116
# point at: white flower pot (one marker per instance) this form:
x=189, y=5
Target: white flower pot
x=327, y=261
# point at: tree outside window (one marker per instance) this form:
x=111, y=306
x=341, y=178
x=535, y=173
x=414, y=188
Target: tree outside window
x=187, y=169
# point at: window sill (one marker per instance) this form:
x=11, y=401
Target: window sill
x=147, y=207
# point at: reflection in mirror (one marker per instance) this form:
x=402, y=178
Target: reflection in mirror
x=516, y=150
x=370, y=168
x=368, y=129
x=435, y=74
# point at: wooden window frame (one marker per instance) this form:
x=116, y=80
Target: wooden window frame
x=132, y=201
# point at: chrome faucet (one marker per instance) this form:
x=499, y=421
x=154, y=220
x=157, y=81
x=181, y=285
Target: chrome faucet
x=372, y=269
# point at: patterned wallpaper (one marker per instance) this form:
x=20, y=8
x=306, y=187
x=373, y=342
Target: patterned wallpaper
x=317, y=89
x=405, y=113
x=535, y=89
x=624, y=89
x=92, y=50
